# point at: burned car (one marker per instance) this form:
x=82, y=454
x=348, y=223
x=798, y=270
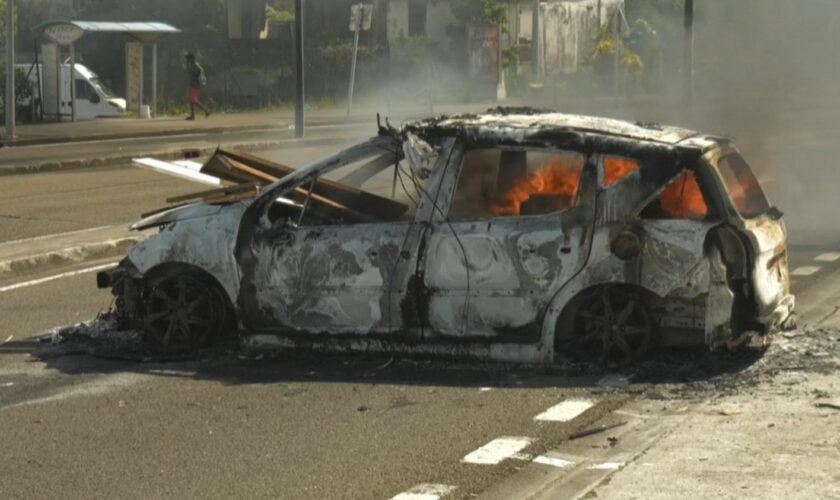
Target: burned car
x=511, y=235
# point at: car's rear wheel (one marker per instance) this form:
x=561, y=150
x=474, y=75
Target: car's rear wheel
x=613, y=325
x=184, y=312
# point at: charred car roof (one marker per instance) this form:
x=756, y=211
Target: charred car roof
x=528, y=123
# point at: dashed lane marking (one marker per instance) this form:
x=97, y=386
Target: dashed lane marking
x=40, y=281
x=607, y=466
x=827, y=257
x=554, y=462
x=565, y=411
x=805, y=271
x=425, y=491
x=497, y=450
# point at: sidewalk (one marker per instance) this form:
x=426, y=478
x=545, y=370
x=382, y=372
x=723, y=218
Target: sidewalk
x=119, y=128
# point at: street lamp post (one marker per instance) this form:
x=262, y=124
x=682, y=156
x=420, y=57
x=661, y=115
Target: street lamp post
x=299, y=73
x=10, y=69
x=688, y=55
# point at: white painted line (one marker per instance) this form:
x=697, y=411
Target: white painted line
x=40, y=281
x=607, y=466
x=177, y=171
x=805, y=271
x=7, y=384
x=497, y=450
x=565, y=411
x=554, y=462
x=426, y=492
x=8, y=339
x=485, y=389
x=828, y=257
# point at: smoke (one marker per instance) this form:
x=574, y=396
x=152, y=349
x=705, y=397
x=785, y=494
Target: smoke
x=766, y=74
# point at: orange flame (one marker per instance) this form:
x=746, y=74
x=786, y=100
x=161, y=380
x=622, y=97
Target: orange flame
x=616, y=168
x=683, y=198
x=556, y=178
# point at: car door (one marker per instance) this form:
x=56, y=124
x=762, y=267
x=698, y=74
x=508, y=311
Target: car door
x=334, y=260
x=515, y=229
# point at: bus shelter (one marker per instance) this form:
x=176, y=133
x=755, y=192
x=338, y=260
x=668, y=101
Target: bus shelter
x=59, y=37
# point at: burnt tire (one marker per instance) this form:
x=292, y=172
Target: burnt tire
x=184, y=312
x=611, y=325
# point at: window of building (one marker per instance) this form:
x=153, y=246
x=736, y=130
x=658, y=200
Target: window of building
x=505, y=183
x=417, y=17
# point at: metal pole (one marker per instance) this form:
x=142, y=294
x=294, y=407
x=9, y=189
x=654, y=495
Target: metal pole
x=688, y=55
x=535, y=40
x=353, y=69
x=154, y=79
x=72, y=82
x=142, y=72
x=10, y=69
x=299, y=73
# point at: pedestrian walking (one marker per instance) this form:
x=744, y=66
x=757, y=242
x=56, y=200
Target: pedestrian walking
x=197, y=80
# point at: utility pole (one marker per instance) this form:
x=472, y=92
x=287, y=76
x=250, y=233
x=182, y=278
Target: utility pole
x=10, y=70
x=299, y=73
x=688, y=55
x=536, y=67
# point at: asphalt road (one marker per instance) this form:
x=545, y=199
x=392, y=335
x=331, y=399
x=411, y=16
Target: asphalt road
x=221, y=426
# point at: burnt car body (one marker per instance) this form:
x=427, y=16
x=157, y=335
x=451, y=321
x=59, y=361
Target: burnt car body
x=511, y=235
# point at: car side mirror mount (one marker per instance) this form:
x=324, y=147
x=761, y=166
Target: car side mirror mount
x=775, y=213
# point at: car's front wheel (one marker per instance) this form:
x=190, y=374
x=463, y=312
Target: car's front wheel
x=184, y=312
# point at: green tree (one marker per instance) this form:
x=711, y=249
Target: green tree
x=480, y=11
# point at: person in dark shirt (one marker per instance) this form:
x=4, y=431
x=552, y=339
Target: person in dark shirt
x=197, y=80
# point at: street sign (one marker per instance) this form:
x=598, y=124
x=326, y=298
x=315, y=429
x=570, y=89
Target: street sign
x=361, y=17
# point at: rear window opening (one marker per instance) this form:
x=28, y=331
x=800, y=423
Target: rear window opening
x=743, y=187
x=682, y=199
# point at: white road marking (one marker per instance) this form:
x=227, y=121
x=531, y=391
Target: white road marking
x=40, y=281
x=497, y=450
x=565, y=411
x=485, y=389
x=9, y=339
x=554, y=462
x=7, y=384
x=607, y=466
x=827, y=257
x=425, y=492
x=805, y=271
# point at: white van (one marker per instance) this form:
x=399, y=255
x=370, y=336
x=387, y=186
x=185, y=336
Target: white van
x=93, y=98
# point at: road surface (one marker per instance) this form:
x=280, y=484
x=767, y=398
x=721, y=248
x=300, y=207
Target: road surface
x=294, y=426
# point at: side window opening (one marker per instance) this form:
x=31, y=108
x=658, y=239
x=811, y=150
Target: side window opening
x=682, y=199
x=509, y=183
x=617, y=168
x=387, y=191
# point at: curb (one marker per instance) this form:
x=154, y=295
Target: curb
x=164, y=155
x=40, y=141
x=72, y=255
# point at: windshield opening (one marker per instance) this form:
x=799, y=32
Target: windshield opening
x=102, y=87
x=743, y=187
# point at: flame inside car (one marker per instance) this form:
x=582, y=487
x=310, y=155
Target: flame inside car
x=556, y=182
x=616, y=168
x=683, y=198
